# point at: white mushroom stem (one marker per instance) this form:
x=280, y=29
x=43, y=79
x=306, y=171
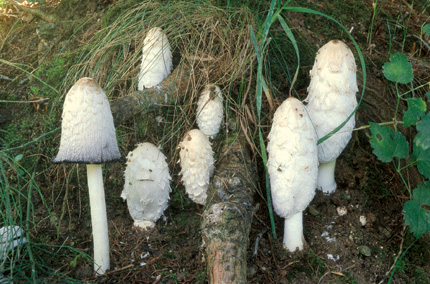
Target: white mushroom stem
x=326, y=182
x=293, y=232
x=98, y=218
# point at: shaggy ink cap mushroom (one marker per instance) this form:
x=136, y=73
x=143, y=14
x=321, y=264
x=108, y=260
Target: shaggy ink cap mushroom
x=87, y=130
x=147, y=185
x=293, y=168
x=331, y=99
x=210, y=110
x=88, y=136
x=156, y=59
x=197, y=164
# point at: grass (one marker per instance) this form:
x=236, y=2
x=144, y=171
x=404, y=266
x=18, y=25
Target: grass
x=212, y=38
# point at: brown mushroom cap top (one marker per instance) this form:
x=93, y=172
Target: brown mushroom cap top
x=87, y=130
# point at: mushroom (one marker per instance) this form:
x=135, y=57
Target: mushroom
x=331, y=99
x=292, y=167
x=197, y=164
x=147, y=185
x=209, y=110
x=10, y=237
x=88, y=137
x=156, y=59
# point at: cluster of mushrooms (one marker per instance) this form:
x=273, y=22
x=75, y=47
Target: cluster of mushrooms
x=88, y=137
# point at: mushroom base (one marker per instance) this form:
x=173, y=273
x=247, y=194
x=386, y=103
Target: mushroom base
x=293, y=232
x=326, y=182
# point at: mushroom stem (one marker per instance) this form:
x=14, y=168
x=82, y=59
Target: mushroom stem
x=293, y=232
x=98, y=218
x=326, y=182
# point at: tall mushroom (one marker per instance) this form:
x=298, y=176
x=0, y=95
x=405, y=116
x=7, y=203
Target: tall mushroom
x=292, y=167
x=209, y=110
x=331, y=99
x=197, y=164
x=88, y=137
x=147, y=185
x=156, y=59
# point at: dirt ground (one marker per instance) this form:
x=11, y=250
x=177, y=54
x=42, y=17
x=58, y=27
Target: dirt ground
x=339, y=249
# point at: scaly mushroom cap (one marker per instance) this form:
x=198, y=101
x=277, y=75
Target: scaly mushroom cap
x=147, y=184
x=331, y=97
x=197, y=164
x=209, y=110
x=156, y=59
x=87, y=129
x=293, y=159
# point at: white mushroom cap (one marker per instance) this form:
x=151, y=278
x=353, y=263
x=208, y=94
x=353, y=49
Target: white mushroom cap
x=156, y=59
x=87, y=129
x=197, y=164
x=332, y=97
x=293, y=161
x=147, y=184
x=209, y=110
x=10, y=237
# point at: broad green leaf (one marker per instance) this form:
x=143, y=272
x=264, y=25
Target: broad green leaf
x=421, y=149
x=422, y=159
x=388, y=144
x=428, y=95
x=422, y=193
x=416, y=218
x=416, y=109
x=399, y=69
x=426, y=29
x=18, y=157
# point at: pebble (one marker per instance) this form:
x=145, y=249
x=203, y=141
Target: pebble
x=365, y=250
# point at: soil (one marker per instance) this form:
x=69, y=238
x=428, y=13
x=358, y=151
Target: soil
x=339, y=249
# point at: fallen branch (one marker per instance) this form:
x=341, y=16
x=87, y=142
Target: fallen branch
x=49, y=18
x=228, y=214
x=171, y=90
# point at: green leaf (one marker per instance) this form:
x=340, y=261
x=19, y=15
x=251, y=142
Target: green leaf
x=416, y=218
x=18, y=157
x=388, y=144
x=428, y=95
x=422, y=193
x=426, y=29
x=416, y=109
x=399, y=70
x=421, y=149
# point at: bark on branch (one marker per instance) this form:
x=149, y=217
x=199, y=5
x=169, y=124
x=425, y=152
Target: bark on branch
x=171, y=90
x=228, y=214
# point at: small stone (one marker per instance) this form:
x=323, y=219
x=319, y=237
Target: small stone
x=341, y=210
x=363, y=220
x=365, y=250
x=385, y=232
x=313, y=211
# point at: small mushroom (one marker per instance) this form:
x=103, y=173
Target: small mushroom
x=292, y=167
x=88, y=137
x=147, y=185
x=156, y=59
x=197, y=164
x=210, y=111
x=331, y=99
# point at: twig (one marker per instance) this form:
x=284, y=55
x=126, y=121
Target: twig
x=397, y=257
x=36, y=12
x=257, y=240
x=119, y=269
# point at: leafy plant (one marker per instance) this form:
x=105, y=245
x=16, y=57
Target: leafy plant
x=390, y=145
